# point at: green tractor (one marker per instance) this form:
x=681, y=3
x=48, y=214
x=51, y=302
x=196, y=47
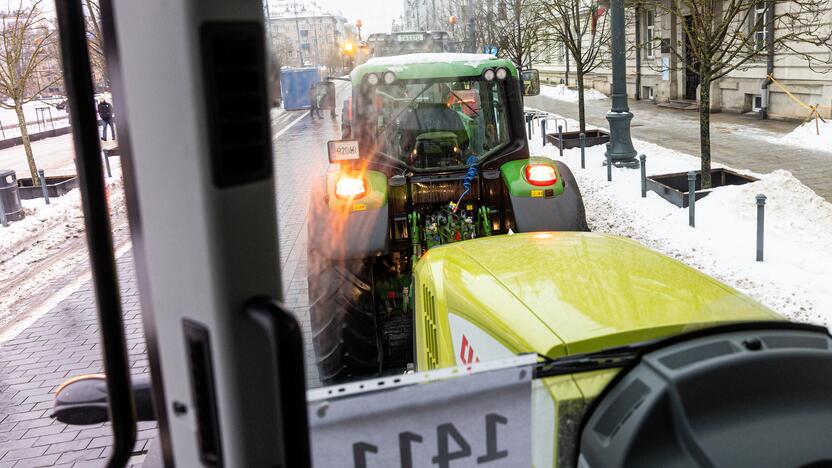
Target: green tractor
x=439, y=242
x=435, y=152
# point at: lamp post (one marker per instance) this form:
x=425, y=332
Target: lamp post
x=620, y=149
x=358, y=24
x=297, y=27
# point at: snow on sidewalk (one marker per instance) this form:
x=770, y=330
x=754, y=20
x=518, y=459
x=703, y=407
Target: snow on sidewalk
x=566, y=94
x=32, y=249
x=794, y=278
x=811, y=135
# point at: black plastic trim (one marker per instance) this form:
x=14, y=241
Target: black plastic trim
x=78, y=81
x=236, y=102
x=203, y=392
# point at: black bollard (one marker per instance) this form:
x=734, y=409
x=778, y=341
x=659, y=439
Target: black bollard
x=692, y=198
x=43, y=188
x=761, y=213
x=643, y=160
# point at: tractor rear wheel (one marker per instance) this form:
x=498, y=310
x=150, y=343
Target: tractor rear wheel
x=571, y=201
x=342, y=317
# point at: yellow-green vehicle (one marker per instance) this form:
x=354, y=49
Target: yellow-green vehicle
x=644, y=360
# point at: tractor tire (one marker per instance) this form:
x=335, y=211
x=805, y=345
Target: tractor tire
x=342, y=318
x=571, y=203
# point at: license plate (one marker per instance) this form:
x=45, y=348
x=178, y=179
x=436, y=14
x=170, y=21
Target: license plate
x=343, y=150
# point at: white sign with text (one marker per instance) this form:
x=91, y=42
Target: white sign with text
x=471, y=420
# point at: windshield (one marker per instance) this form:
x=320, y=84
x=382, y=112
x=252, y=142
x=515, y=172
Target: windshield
x=434, y=124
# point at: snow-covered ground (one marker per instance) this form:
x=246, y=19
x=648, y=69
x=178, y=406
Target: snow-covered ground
x=48, y=244
x=8, y=117
x=794, y=278
x=566, y=94
x=811, y=135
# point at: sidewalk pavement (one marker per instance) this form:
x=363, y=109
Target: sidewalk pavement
x=739, y=141
x=61, y=344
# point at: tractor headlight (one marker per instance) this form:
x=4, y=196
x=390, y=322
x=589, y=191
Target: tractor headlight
x=488, y=74
x=372, y=78
x=502, y=73
x=389, y=78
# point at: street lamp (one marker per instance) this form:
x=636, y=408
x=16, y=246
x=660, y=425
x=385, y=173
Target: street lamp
x=620, y=149
x=297, y=27
x=358, y=24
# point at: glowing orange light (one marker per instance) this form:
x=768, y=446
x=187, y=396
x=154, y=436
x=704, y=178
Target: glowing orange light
x=540, y=174
x=349, y=186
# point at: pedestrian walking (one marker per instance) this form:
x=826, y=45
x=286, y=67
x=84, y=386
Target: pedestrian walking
x=314, y=102
x=105, y=112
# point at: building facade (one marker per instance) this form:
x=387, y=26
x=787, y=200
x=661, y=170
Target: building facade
x=304, y=34
x=655, y=73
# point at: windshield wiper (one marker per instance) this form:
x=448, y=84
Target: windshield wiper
x=610, y=358
x=383, y=131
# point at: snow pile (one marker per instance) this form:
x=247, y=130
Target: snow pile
x=811, y=135
x=566, y=94
x=37, y=252
x=793, y=279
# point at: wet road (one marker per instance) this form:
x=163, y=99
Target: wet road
x=300, y=156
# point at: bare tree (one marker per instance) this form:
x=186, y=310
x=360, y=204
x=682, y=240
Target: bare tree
x=95, y=38
x=514, y=26
x=582, y=29
x=721, y=36
x=519, y=31
x=27, y=42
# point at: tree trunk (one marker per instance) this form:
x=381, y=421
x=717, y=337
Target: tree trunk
x=27, y=145
x=581, y=110
x=705, y=130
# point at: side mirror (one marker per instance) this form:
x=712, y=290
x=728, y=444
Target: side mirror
x=531, y=82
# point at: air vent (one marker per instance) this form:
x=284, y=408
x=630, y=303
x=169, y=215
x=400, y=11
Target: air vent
x=621, y=409
x=236, y=102
x=431, y=342
x=704, y=352
x=203, y=392
x=797, y=342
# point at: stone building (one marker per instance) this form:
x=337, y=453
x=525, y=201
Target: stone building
x=303, y=33
x=654, y=72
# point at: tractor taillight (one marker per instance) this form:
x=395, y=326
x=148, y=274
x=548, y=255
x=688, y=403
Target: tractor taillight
x=349, y=186
x=540, y=174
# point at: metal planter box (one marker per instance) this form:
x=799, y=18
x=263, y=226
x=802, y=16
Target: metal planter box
x=573, y=139
x=55, y=187
x=674, y=187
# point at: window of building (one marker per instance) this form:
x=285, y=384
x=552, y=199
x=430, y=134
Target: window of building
x=756, y=102
x=648, y=92
x=649, y=33
x=758, y=25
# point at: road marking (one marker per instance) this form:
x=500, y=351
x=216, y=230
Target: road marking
x=291, y=124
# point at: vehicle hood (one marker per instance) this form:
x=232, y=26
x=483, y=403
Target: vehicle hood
x=567, y=293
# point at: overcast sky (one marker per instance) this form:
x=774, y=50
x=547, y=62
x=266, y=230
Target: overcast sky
x=375, y=14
